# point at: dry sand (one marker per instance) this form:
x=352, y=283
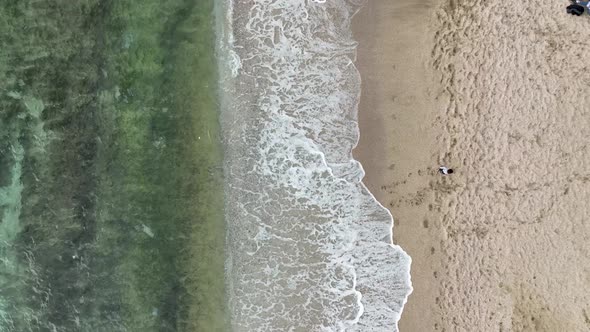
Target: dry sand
x=499, y=91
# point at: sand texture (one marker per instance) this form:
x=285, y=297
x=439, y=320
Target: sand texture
x=396, y=117
x=503, y=244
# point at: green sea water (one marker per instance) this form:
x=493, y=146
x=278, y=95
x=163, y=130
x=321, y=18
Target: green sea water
x=111, y=201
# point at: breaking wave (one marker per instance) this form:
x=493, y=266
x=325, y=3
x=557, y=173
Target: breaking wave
x=310, y=249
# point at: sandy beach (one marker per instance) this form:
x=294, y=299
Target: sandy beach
x=497, y=94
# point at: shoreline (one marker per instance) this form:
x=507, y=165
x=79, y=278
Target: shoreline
x=294, y=145
x=397, y=111
x=487, y=243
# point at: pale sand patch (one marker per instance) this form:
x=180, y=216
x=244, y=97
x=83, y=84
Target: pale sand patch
x=511, y=229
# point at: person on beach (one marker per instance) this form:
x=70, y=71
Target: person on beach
x=445, y=171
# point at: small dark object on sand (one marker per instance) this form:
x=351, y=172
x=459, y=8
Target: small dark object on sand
x=576, y=10
x=578, y=7
x=445, y=171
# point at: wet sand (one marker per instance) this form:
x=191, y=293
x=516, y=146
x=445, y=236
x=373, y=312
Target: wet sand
x=501, y=245
x=396, y=116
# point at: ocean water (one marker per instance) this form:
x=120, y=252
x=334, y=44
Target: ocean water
x=111, y=184
x=111, y=200
x=309, y=248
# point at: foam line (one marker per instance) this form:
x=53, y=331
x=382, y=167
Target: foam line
x=305, y=237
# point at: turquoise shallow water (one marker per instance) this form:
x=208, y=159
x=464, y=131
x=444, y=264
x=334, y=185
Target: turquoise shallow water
x=111, y=208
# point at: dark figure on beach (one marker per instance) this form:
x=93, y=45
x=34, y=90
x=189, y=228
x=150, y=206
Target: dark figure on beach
x=578, y=7
x=445, y=171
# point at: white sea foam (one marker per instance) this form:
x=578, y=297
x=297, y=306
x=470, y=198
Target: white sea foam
x=309, y=247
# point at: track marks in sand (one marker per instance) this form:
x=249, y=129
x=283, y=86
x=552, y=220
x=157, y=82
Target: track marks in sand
x=516, y=125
